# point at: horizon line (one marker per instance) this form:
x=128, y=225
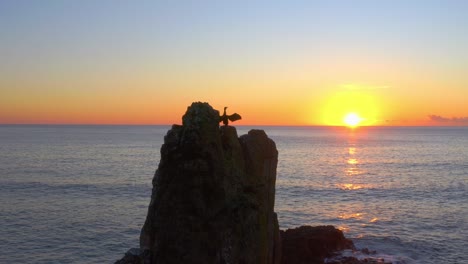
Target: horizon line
x=243, y=125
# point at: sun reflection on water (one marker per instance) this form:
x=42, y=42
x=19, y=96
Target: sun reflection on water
x=350, y=186
x=353, y=180
x=353, y=161
x=343, y=228
x=353, y=171
x=350, y=215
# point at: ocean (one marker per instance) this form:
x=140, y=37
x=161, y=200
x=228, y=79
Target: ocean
x=79, y=194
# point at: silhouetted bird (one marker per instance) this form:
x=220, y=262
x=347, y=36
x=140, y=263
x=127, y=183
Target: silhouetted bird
x=226, y=118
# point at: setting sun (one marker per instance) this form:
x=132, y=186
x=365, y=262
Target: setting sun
x=352, y=105
x=352, y=119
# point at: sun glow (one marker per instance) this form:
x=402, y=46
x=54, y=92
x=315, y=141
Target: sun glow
x=352, y=119
x=354, y=107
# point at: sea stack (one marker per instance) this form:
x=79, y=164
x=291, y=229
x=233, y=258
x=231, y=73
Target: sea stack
x=213, y=195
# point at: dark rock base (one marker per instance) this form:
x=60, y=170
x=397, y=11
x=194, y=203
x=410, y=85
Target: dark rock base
x=307, y=244
x=302, y=245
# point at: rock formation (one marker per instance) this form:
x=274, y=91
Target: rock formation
x=213, y=202
x=307, y=244
x=213, y=195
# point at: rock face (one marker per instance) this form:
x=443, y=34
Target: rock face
x=307, y=244
x=213, y=195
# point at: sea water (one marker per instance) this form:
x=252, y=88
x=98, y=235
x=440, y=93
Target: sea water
x=79, y=194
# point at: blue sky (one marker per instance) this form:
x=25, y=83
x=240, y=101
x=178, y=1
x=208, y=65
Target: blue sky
x=53, y=29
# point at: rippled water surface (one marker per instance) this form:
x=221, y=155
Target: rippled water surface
x=79, y=194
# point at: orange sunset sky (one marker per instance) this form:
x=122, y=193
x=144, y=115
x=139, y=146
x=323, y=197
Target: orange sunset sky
x=273, y=62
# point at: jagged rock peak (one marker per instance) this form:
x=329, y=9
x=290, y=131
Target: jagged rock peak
x=200, y=114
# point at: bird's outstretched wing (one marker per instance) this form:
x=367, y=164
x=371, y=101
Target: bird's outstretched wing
x=234, y=117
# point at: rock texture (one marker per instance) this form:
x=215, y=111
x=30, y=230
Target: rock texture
x=309, y=245
x=213, y=195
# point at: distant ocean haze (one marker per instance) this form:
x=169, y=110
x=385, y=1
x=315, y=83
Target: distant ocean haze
x=79, y=194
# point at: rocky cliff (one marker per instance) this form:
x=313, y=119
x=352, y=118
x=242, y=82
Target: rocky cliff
x=213, y=195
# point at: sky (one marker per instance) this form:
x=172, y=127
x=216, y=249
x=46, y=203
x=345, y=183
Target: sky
x=399, y=63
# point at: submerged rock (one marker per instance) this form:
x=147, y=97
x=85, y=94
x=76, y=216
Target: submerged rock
x=307, y=244
x=213, y=195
